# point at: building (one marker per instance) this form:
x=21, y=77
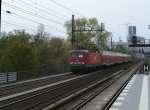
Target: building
x=133, y=38
x=140, y=40
x=131, y=32
x=148, y=41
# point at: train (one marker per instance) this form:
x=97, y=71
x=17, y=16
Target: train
x=86, y=60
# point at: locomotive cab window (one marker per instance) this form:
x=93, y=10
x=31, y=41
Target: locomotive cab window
x=77, y=54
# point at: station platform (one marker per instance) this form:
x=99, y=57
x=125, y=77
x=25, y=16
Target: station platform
x=135, y=96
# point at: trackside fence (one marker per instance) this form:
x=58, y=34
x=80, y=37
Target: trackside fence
x=8, y=77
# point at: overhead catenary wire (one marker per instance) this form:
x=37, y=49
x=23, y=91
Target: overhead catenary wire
x=44, y=10
x=21, y=17
x=49, y=9
x=14, y=25
x=31, y=13
x=18, y=23
x=22, y=3
x=8, y=23
x=35, y=26
x=66, y=8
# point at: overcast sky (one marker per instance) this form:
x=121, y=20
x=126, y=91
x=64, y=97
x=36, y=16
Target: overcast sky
x=114, y=13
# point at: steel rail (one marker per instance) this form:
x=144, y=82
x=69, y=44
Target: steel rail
x=98, y=92
x=65, y=100
x=30, y=84
x=45, y=92
x=60, y=102
x=76, y=80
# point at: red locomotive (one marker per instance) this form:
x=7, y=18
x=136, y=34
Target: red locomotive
x=84, y=59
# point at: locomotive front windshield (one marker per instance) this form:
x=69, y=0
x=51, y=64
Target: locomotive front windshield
x=77, y=55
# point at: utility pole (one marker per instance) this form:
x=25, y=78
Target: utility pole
x=101, y=30
x=73, y=33
x=73, y=40
x=111, y=42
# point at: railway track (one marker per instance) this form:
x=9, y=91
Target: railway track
x=14, y=88
x=115, y=96
x=24, y=99
x=10, y=89
x=49, y=94
x=101, y=88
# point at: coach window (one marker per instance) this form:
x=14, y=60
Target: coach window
x=74, y=55
x=77, y=54
x=80, y=55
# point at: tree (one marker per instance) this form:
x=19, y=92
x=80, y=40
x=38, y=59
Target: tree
x=120, y=48
x=42, y=53
x=3, y=40
x=52, y=54
x=40, y=34
x=58, y=54
x=19, y=54
x=87, y=39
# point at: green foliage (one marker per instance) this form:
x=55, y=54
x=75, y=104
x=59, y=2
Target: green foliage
x=59, y=53
x=21, y=56
x=20, y=51
x=120, y=48
x=51, y=54
x=18, y=54
x=87, y=39
x=42, y=53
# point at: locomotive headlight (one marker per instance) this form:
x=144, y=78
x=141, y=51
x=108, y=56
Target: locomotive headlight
x=82, y=63
x=71, y=62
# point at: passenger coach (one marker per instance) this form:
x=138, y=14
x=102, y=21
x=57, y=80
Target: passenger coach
x=84, y=59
